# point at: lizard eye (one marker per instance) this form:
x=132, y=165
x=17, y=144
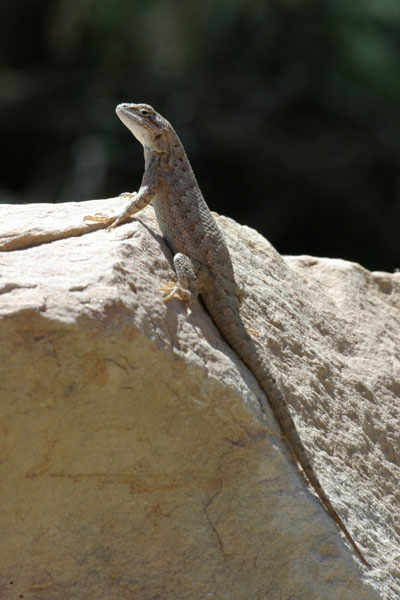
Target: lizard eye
x=144, y=112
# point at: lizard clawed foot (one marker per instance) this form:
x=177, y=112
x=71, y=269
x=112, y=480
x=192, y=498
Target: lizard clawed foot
x=102, y=218
x=99, y=218
x=111, y=221
x=172, y=290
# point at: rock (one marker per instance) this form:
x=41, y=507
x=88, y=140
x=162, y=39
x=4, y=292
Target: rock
x=135, y=460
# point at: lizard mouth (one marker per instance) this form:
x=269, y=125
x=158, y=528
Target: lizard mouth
x=125, y=109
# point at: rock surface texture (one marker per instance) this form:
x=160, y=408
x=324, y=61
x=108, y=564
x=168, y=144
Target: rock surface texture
x=135, y=462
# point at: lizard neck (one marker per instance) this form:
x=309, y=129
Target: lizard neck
x=167, y=146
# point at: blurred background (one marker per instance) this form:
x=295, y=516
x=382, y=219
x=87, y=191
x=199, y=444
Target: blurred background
x=289, y=110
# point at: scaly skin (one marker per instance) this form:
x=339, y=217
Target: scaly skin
x=202, y=261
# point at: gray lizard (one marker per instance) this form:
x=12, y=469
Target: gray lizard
x=202, y=261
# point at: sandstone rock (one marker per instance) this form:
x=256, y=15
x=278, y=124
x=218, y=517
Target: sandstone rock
x=135, y=460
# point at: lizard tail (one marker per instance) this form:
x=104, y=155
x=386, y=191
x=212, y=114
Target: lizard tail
x=236, y=335
x=282, y=414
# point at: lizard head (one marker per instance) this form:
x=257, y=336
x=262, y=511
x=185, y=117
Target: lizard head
x=145, y=123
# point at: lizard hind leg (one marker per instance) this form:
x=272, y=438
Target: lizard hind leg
x=185, y=288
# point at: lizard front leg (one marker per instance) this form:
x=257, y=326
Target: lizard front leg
x=137, y=202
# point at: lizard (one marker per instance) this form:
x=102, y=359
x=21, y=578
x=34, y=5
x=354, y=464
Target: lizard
x=202, y=262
